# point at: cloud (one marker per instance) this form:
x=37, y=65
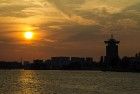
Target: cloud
x=15, y=8
x=68, y=26
x=82, y=24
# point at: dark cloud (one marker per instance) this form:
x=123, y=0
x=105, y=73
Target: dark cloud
x=107, y=23
x=67, y=4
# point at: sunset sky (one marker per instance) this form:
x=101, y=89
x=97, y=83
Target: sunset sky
x=67, y=27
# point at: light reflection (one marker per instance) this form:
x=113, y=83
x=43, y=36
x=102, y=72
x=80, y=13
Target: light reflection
x=29, y=82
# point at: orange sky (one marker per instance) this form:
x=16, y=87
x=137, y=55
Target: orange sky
x=67, y=27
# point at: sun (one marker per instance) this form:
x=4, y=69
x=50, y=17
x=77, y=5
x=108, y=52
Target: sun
x=28, y=35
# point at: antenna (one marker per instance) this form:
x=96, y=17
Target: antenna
x=112, y=36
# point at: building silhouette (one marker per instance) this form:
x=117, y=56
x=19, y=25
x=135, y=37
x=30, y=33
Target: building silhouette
x=111, y=60
x=112, y=48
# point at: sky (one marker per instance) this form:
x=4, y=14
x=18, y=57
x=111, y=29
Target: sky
x=67, y=27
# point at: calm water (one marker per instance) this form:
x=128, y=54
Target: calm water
x=68, y=82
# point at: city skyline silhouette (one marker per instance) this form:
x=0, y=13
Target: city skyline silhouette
x=69, y=46
x=110, y=62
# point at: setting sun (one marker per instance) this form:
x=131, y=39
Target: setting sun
x=28, y=35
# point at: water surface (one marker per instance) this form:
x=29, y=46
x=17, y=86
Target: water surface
x=68, y=82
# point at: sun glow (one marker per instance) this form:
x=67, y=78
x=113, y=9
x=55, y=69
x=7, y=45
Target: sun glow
x=28, y=35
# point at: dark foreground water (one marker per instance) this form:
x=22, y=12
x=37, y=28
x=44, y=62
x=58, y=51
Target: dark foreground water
x=68, y=82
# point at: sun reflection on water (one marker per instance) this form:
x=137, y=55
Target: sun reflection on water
x=29, y=82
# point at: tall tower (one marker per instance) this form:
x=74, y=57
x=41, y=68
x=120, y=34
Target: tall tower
x=112, y=48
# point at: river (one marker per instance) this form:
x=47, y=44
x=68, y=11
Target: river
x=68, y=82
